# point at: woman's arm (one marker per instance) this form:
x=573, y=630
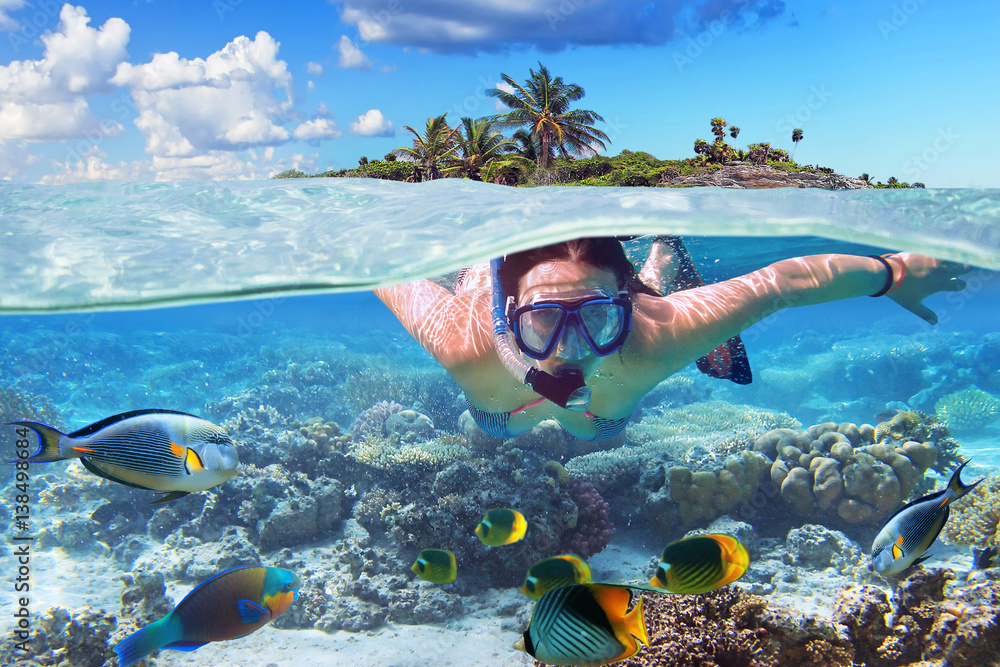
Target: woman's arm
x=452, y=328
x=678, y=329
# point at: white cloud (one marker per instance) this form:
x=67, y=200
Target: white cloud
x=314, y=68
x=225, y=102
x=92, y=168
x=372, y=124
x=507, y=88
x=319, y=128
x=6, y=21
x=44, y=100
x=14, y=157
x=350, y=56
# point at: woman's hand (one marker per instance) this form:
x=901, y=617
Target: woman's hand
x=924, y=276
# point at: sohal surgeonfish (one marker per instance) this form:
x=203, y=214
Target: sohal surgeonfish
x=501, y=526
x=913, y=528
x=436, y=566
x=156, y=450
x=700, y=564
x=230, y=605
x=584, y=624
x=553, y=572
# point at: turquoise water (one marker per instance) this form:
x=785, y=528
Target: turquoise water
x=271, y=333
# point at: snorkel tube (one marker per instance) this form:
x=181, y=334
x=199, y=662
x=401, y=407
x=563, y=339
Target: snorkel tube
x=566, y=388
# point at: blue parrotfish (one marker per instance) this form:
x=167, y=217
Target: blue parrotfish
x=156, y=450
x=911, y=530
x=230, y=605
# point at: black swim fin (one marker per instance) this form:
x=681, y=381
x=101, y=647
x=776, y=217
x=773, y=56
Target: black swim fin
x=729, y=361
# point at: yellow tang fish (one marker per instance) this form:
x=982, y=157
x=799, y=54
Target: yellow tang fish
x=700, y=564
x=585, y=625
x=553, y=572
x=436, y=566
x=501, y=526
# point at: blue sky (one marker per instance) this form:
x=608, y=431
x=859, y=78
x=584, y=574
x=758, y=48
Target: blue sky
x=226, y=89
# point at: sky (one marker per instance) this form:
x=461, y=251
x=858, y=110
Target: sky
x=163, y=90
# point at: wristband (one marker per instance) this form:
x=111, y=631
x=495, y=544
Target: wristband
x=889, y=276
x=902, y=276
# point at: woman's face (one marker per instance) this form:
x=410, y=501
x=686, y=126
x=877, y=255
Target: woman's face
x=564, y=280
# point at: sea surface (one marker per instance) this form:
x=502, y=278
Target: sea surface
x=249, y=304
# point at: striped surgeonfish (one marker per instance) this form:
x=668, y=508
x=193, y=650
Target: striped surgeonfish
x=157, y=450
x=913, y=528
x=585, y=625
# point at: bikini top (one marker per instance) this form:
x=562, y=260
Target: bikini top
x=495, y=423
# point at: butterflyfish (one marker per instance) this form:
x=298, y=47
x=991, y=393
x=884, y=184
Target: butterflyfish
x=501, y=526
x=585, y=625
x=436, y=566
x=156, y=450
x=700, y=564
x=911, y=530
x=230, y=605
x=553, y=572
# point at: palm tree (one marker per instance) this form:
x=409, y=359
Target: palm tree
x=734, y=131
x=796, y=138
x=542, y=104
x=433, y=149
x=719, y=129
x=866, y=178
x=478, y=145
x=892, y=181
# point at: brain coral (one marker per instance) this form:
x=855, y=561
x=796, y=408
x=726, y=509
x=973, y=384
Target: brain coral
x=968, y=410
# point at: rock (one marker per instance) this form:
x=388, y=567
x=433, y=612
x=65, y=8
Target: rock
x=291, y=522
x=741, y=176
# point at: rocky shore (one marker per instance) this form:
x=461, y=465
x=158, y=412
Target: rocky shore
x=743, y=176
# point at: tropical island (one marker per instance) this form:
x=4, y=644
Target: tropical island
x=554, y=144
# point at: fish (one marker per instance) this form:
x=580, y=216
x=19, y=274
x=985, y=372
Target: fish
x=155, y=450
x=700, y=564
x=585, y=625
x=436, y=566
x=553, y=572
x=230, y=605
x=911, y=530
x=501, y=526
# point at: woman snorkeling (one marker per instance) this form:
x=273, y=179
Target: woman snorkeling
x=571, y=332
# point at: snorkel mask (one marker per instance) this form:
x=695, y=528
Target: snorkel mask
x=539, y=327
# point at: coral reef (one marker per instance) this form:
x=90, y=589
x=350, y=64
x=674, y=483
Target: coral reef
x=858, y=474
x=717, y=628
x=936, y=619
x=593, y=530
x=66, y=638
x=703, y=495
x=971, y=409
x=372, y=422
x=975, y=518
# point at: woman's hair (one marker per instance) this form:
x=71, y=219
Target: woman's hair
x=605, y=252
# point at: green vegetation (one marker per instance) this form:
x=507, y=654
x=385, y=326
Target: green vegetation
x=554, y=144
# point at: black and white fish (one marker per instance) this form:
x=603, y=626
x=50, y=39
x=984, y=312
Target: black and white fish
x=157, y=450
x=913, y=528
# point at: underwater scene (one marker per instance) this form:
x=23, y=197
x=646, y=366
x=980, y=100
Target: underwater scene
x=240, y=456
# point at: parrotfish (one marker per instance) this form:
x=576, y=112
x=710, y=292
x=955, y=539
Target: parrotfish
x=700, y=564
x=230, y=605
x=584, y=624
x=436, y=566
x=501, y=526
x=912, y=529
x=156, y=450
x=553, y=572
